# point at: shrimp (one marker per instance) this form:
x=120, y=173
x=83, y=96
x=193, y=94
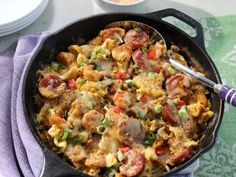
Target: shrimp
x=91, y=120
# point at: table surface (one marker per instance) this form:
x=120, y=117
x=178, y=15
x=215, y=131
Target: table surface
x=52, y=18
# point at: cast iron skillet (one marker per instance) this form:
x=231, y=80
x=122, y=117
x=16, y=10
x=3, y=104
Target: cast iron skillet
x=88, y=28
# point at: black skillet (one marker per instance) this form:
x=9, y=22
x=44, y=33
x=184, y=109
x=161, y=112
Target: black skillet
x=88, y=28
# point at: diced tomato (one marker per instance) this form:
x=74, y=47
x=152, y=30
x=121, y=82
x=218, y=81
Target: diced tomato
x=181, y=103
x=89, y=143
x=151, y=54
x=71, y=84
x=160, y=151
x=124, y=149
x=121, y=75
x=118, y=110
x=143, y=99
x=56, y=120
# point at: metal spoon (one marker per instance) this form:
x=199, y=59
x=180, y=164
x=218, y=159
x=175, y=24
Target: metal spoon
x=225, y=92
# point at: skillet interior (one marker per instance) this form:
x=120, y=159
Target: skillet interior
x=88, y=28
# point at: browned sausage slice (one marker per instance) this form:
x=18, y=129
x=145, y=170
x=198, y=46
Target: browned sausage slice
x=181, y=156
x=170, y=114
x=52, y=86
x=133, y=164
x=136, y=39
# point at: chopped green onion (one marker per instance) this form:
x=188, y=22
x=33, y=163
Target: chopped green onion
x=144, y=50
x=91, y=105
x=95, y=53
x=65, y=114
x=129, y=82
x=118, y=38
x=183, y=112
x=144, y=124
x=83, y=136
x=98, y=68
x=150, y=75
x=55, y=65
x=175, y=101
x=112, y=173
x=158, y=109
x=138, y=29
x=81, y=81
x=141, y=114
x=64, y=136
x=149, y=139
x=81, y=64
x=76, y=140
x=120, y=156
x=105, y=122
x=101, y=129
x=81, y=41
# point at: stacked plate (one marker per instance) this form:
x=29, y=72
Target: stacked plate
x=16, y=15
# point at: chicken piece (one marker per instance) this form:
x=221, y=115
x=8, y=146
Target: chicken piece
x=92, y=75
x=122, y=53
x=122, y=99
x=108, y=145
x=96, y=159
x=150, y=84
x=85, y=50
x=66, y=58
x=76, y=154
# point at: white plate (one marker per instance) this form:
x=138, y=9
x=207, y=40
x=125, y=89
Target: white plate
x=121, y=3
x=23, y=21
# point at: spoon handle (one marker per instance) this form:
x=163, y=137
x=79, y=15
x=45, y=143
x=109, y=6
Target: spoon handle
x=226, y=93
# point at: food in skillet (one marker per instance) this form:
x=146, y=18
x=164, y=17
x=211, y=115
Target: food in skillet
x=116, y=107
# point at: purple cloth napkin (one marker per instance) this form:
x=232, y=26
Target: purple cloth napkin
x=20, y=153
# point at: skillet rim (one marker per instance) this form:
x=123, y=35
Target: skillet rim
x=45, y=147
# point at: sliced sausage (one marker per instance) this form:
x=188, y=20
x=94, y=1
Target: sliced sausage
x=133, y=164
x=175, y=86
x=131, y=130
x=139, y=58
x=136, y=39
x=52, y=86
x=110, y=33
x=169, y=113
x=181, y=156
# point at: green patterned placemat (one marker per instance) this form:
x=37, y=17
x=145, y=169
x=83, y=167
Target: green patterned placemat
x=220, y=38
x=220, y=42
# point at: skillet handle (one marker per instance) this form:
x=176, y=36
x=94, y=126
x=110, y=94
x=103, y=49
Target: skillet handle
x=199, y=39
x=55, y=167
